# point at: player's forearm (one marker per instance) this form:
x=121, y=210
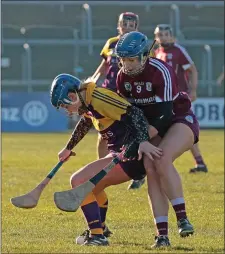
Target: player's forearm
x=101, y=70
x=158, y=125
x=152, y=131
x=220, y=78
x=193, y=78
x=80, y=130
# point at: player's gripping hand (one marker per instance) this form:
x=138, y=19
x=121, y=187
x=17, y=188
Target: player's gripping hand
x=149, y=150
x=65, y=154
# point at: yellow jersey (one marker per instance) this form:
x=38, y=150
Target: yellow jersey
x=112, y=116
x=105, y=106
x=108, y=112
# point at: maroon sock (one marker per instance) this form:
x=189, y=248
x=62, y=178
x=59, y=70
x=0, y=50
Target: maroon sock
x=162, y=225
x=179, y=208
x=199, y=161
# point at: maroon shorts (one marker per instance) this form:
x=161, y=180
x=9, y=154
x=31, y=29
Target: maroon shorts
x=134, y=169
x=191, y=121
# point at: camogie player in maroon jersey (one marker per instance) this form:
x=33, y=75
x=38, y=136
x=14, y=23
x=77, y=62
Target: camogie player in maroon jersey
x=151, y=84
x=177, y=57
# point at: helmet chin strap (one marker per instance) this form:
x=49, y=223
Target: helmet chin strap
x=83, y=108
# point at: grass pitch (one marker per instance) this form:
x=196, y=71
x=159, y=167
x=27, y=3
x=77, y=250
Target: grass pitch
x=26, y=160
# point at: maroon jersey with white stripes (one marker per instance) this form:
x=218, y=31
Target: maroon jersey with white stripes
x=177, y=57
x=156, y=83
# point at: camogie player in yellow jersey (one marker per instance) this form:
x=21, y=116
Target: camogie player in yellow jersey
x=108, y=69
x=120, y=124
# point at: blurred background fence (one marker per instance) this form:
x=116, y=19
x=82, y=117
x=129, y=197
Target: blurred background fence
x=41, y=39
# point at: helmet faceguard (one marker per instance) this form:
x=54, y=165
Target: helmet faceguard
x=128, y=21
x=133, y=45
x=162, y=28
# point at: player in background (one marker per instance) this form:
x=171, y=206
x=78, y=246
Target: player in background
x=108, y=70
x=176, y=56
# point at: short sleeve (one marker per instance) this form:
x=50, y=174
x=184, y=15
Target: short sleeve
x=163, y=83
x=105, y=50
x=184, y=58
x=120, y=85
x=109, y=104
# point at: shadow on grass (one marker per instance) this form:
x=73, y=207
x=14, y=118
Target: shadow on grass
x=182, y=248
x=148, y=247
x=125, y=243
x=172, y=249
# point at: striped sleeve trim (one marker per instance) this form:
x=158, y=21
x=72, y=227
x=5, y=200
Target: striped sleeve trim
x=109, y=102
x=110, y=98
x=185, y=53
x=167, y=78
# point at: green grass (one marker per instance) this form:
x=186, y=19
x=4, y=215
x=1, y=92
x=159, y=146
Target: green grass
x=27, y=158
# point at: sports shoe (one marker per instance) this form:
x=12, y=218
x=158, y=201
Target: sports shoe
x=185, y=228
x=96, y=241
x=136, y=184
x=83, y=237
x=86, y=234
x=107, y=232
x=199, y=169
x=161, y=241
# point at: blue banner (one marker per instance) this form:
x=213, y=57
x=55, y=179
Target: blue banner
x=30, y=112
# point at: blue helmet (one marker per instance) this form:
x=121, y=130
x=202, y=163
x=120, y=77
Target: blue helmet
x=61, y=86
x=133, y=44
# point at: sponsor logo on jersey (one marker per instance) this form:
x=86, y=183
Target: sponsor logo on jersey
x=139, y=83
x=142, y=101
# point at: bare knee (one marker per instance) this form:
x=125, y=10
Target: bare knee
x=162, y=163
x=149, y=166
x=75, y=181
